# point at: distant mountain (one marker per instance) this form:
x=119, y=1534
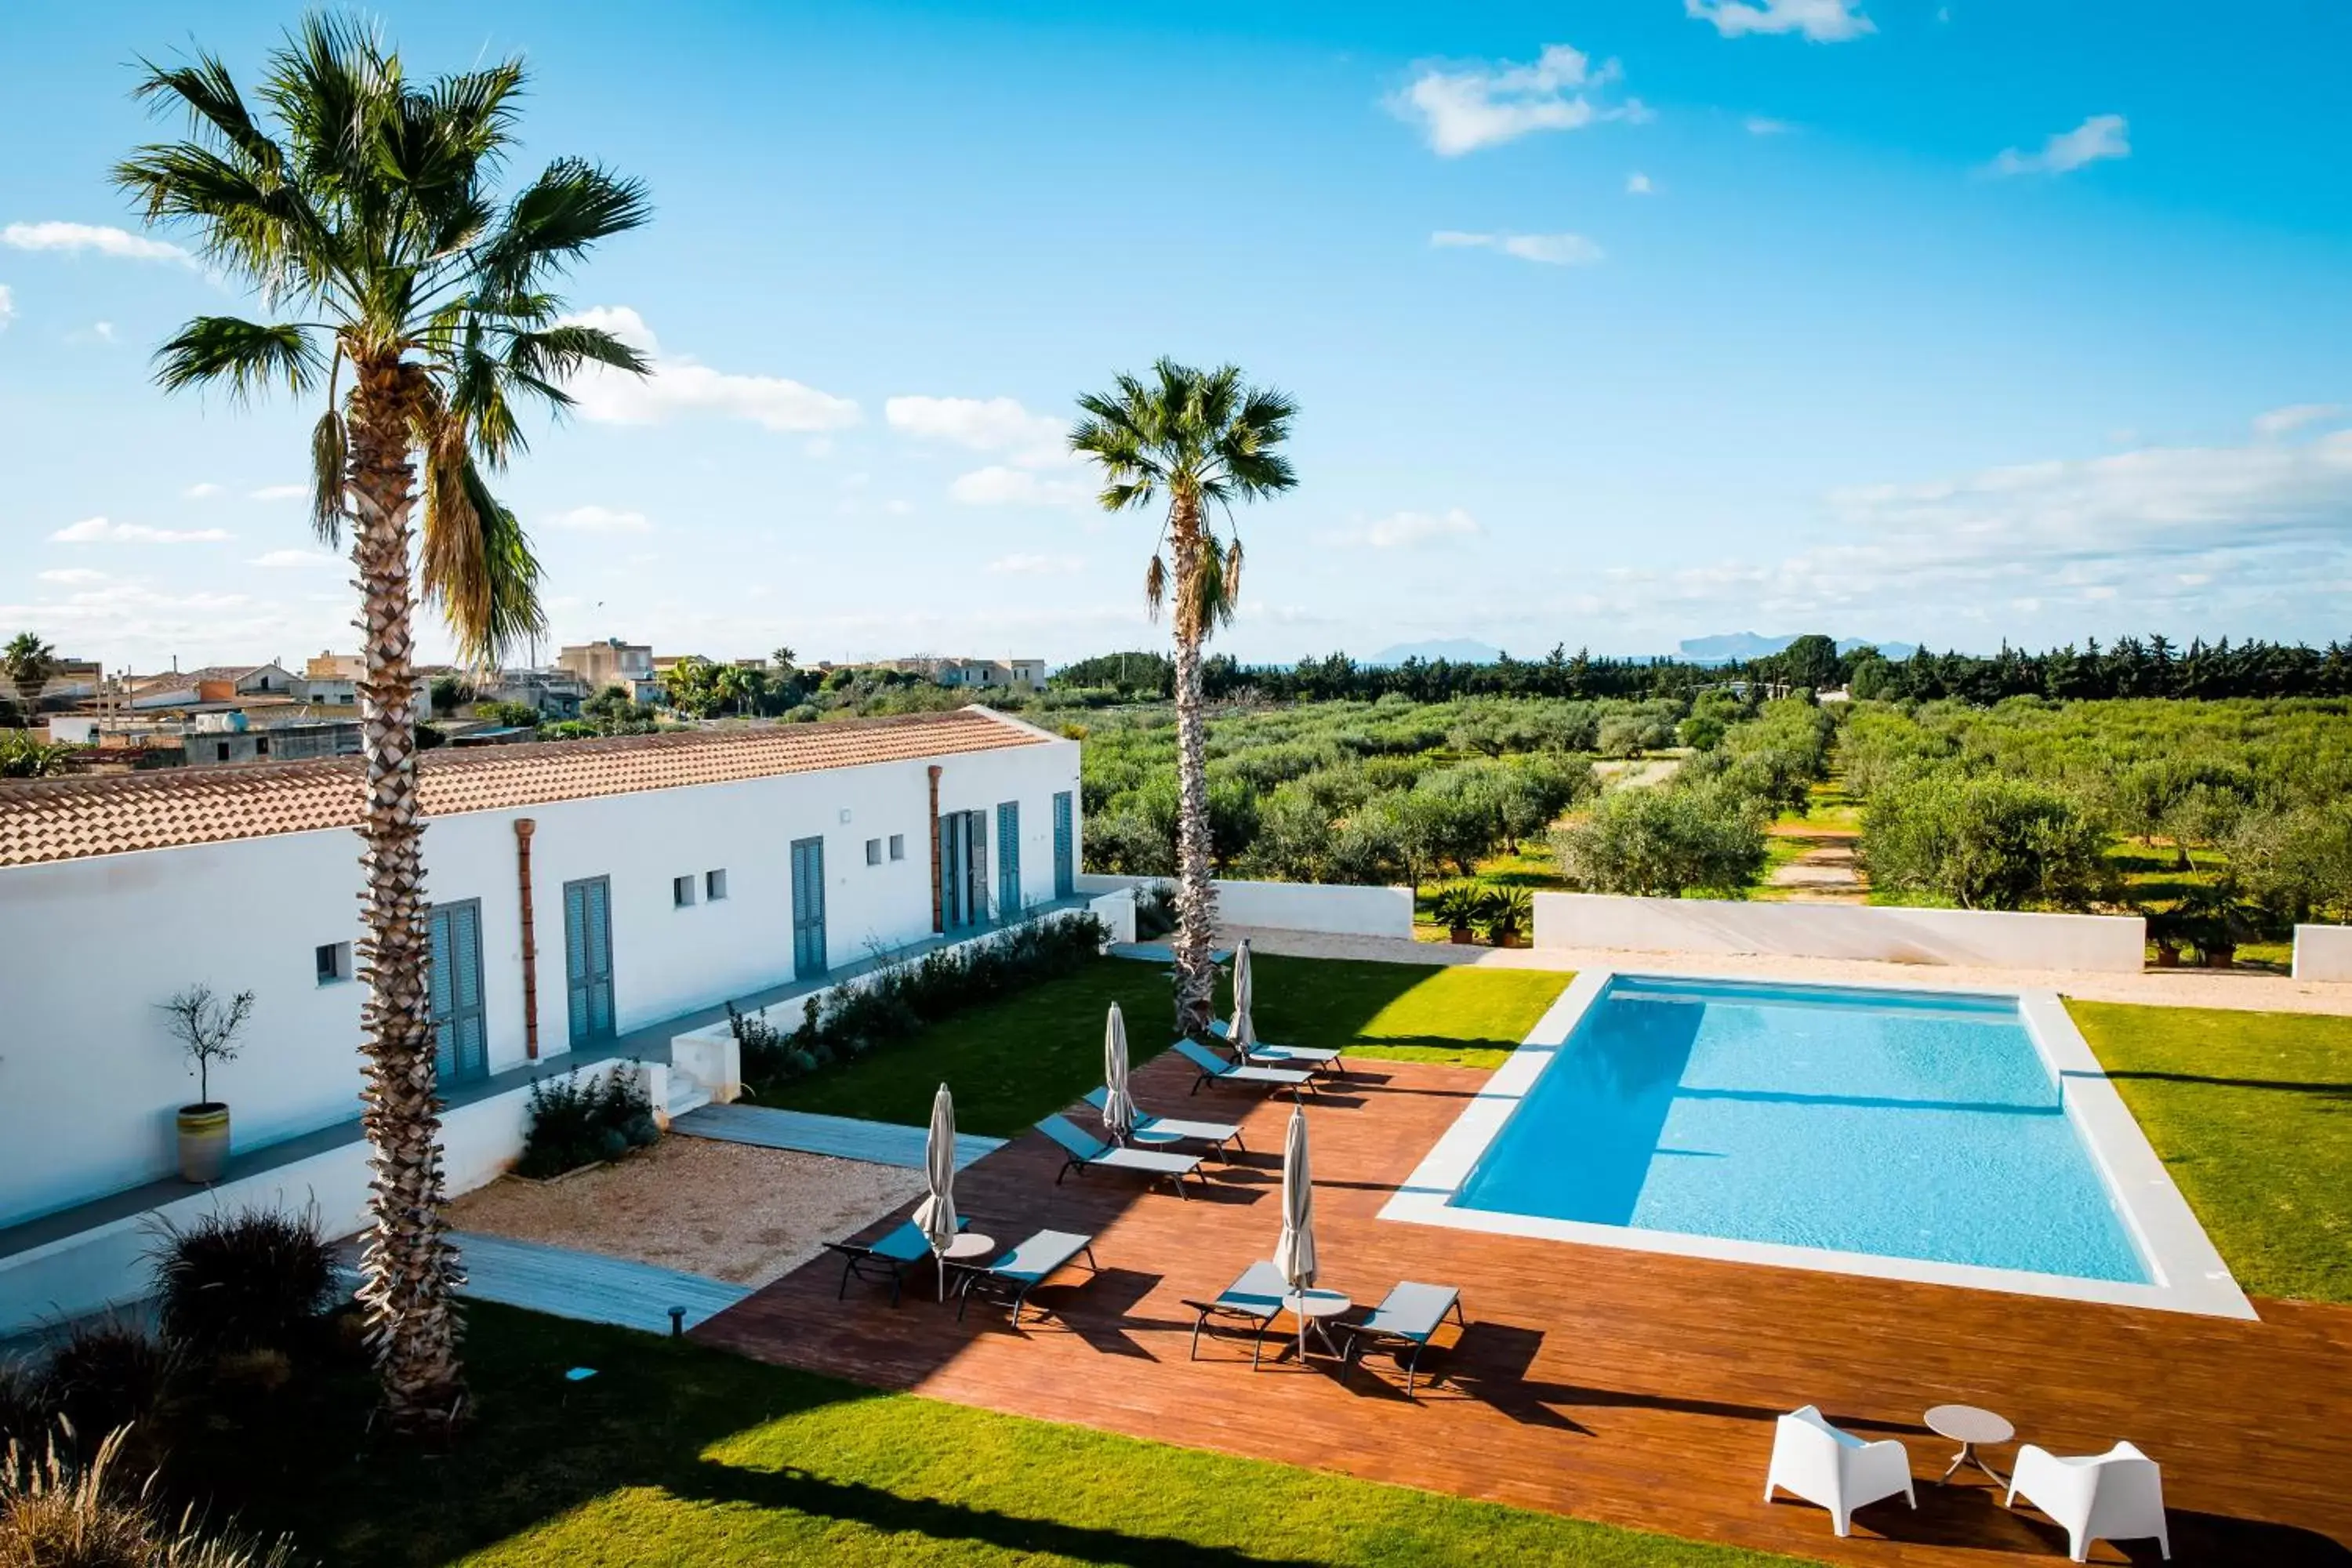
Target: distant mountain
x=1457, y=650
x=1726, y=648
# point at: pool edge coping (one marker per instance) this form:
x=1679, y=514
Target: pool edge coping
x=2191, y=1275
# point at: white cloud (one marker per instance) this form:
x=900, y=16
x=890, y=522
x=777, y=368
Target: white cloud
x=2100, y=136
x=2173, y=536
x=74, y=237
x=2294, y=417
x=7, y=307
x=280, y=492
x=997, y=485
x=984, y=424
x=1637, y=184
x=1036, y=565
x=1820, y=21
x=203, y=489
x=73, y=576
x=105, y=332
x=1551, y=249
x=100, y=531
x=1763, y=125
x=602, y=520
x=1483, y=104
x=681, y=385
x=1404, y=531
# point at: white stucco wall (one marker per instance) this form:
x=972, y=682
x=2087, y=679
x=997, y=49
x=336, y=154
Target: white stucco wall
x=1296, y=906
x=89, y=1079
x=1994, y=939
x=2323, y=952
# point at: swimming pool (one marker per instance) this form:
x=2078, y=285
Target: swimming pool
x=1918, y=1134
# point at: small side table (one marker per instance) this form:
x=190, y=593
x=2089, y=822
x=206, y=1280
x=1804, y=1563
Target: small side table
x=1967, y=1426
x=1311, y=1308
x=965, y=1251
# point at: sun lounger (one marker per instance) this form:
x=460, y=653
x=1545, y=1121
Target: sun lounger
x=1261, y=1053
x=1150, y=1128
x=1405, y=1321
x=889, y=1259
x=1085, y=1153
x=1255, y=1299
x=1012, y=1277
x=1215, y=1070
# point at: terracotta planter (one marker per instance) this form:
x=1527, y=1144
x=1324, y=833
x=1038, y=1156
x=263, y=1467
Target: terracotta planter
x=2221, y=958
x=2167, y=957
x=1462, y=936
x=204, y=1142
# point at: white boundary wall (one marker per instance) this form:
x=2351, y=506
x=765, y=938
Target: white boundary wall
x=108, y=1265
x=1980, y=938
x=2323, y=952
x=1340, y=911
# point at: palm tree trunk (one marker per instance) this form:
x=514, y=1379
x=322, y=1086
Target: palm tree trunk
x=1196, y=903
x=408, y=1264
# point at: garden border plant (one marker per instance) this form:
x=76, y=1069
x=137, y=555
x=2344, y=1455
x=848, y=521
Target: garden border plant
x=583, y=1119
x=845, y=1022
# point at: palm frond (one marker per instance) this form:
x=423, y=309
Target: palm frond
x=247, y=355
x=330, y=450
x=555, y=219
x=217, y=110
x=1155, y=586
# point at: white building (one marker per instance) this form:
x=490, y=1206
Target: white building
x=582, y=891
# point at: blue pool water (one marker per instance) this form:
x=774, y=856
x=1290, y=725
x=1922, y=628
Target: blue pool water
x=1900, y=1124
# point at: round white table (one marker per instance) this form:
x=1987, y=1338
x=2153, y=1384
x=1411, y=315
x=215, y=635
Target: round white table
x=966, y=1250
x=1968, y=1426
x=1311, y=1308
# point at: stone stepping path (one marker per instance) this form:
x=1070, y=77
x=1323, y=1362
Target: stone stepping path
x=587, y=1286
x=842, y=1137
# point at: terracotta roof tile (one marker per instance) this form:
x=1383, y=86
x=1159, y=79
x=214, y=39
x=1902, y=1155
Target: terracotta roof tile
x=70, y=819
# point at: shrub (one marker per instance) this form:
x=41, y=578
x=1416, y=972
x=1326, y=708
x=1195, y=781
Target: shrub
x=58, y=1513
x=1509, y=911
x=1459, y=905
x=763, y=1049
x=1663, y=843
x=1155, y=910
x=1985, y=843
x=585, y=1118
x=244, y=1281
x=109, y=1373
x=858, y=1016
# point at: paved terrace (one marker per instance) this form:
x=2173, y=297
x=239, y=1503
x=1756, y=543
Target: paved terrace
x=1633, y=1388
x=2240, y=990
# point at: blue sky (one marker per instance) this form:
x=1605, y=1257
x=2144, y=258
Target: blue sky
x=1612, y=324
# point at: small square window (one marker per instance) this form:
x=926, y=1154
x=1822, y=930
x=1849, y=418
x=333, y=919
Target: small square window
x=681, y=892
x=334, y=960
x=874, y=852
x=261, y=745
x=714, y=886
x=898, y=846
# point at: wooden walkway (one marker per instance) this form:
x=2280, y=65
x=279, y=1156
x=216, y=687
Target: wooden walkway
x=842, y=1137
x=1633, y=1388
x=587, y=1285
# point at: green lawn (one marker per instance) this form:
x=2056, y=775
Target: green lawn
x=1014, y=1060
x=674, y=1454
x=2252, y=1115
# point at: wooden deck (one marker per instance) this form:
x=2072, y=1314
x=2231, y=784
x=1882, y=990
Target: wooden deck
x=1629, y=1387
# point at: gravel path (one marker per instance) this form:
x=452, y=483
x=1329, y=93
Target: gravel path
x=725, y=1210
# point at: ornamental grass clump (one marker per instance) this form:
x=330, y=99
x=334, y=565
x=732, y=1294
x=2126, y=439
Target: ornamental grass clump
x=57, y=1511
x=257, y=1281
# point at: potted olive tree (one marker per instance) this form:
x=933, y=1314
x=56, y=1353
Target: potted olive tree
x=207, y=1030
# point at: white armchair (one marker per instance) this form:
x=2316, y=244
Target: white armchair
x=2115, y=1496
x=1841, y=1472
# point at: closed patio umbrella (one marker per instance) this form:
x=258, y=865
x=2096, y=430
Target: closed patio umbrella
x=1294, y=1254
x=935, y=1217
x=1241, y=1034
x=1119, y=1106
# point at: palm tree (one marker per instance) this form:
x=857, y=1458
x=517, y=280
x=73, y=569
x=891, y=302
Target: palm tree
x=1201, y=439
x=422, y=303
x=27, y=662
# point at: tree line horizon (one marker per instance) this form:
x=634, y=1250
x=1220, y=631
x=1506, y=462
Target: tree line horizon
x=2129, y=666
